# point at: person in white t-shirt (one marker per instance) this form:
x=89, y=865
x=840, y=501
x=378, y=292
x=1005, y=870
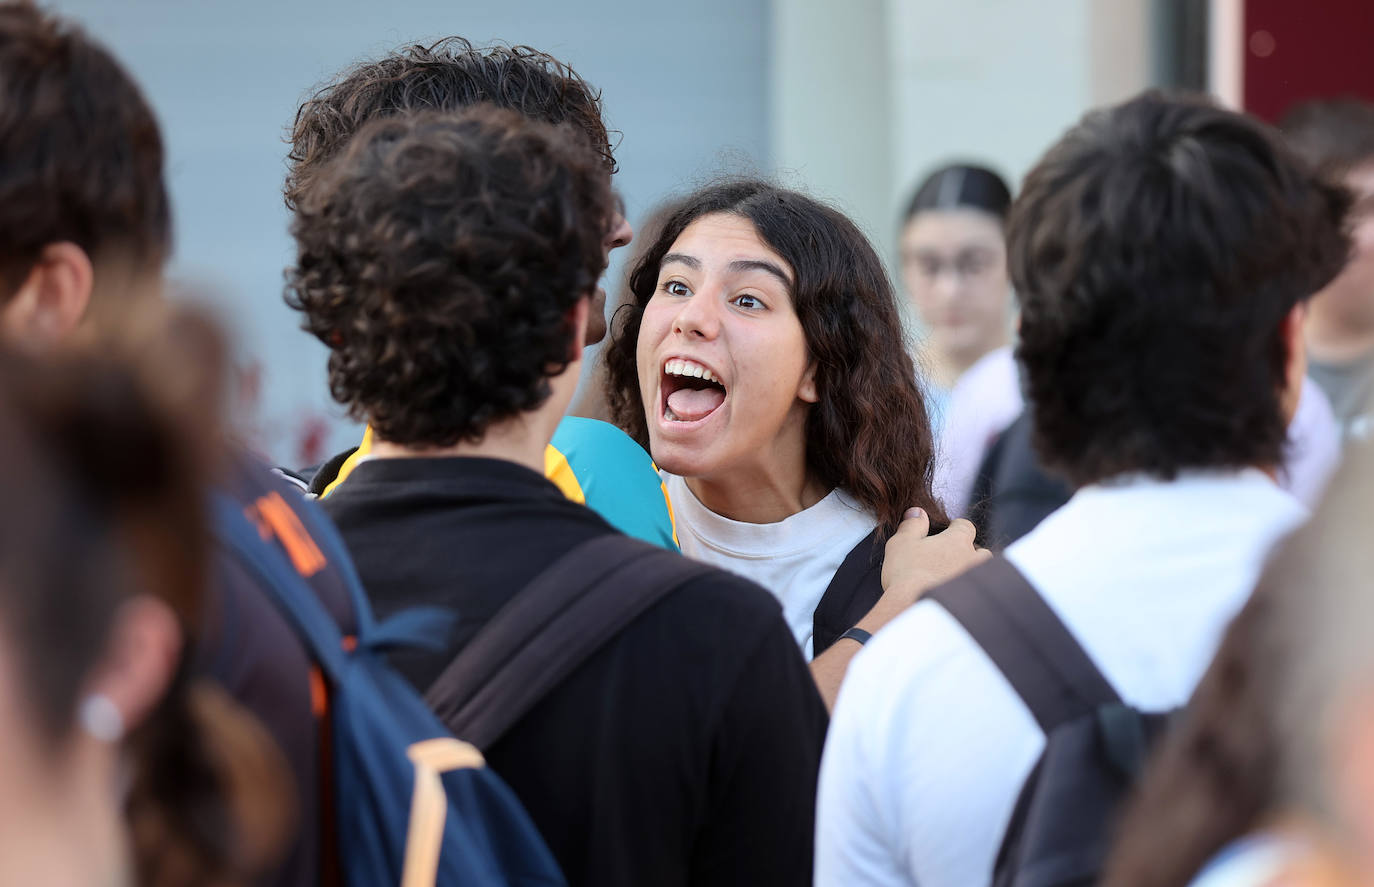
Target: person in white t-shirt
x=764, y=365
x=1161, y=252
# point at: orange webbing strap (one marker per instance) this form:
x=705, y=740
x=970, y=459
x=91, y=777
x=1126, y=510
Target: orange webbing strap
x=274, y=517
x=331, y=874
x=429, y=804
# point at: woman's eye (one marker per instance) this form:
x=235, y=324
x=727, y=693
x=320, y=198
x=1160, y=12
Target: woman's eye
x=747, y=301
x=676, y=288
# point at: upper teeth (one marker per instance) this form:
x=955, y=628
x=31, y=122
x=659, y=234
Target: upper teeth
x=689, y=368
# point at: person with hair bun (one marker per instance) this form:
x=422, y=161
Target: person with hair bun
x=762, y=362
x=85, y=226
x=954, y=267
x=119, y=765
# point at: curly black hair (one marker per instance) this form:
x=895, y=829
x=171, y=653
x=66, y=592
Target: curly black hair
x=1156, y=250
x=448, y=75
x=439, y=258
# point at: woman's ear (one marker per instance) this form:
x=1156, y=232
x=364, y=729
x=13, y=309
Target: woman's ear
x=141, y=660
x=52, y=300
x=1295, y=346
x=578, y=316
x=806, y=391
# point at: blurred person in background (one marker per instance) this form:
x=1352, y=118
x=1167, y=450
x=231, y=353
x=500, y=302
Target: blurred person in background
x=593, y=462
x=1162, y=251
x=954, y=267
x=1269, y=778
x=762, y=361
x=85, y=227
x=119, y=765
x=1337, y=138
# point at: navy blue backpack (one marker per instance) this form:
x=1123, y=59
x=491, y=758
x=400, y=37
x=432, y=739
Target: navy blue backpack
x=413, y=805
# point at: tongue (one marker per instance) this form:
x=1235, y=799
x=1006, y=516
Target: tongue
x=690, y=405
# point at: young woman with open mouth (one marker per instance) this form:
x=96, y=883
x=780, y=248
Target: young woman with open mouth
x=762, y=361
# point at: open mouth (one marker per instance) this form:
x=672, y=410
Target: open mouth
x=691, y=392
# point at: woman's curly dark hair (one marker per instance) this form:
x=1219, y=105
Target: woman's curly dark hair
x=869, y=433
x=448, y=75
x=1156, y=250
x=439, y=258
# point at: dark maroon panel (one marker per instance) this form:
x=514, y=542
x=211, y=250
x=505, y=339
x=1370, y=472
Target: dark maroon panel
x=1304, y=49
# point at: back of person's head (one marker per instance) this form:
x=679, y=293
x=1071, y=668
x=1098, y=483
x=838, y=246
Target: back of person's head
x=961, y=186
x=440, y=258
x=1267, y=738
x=1333, y=135
x=81, y=158
x=448, y=75
x=103, y=548
x=1158, y=251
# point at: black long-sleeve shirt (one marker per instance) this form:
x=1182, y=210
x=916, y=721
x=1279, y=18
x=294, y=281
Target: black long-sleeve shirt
x=684, y=752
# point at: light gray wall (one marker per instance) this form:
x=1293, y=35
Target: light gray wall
x=686, y=83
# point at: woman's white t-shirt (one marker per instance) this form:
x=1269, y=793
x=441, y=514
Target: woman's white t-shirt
x=795, y=558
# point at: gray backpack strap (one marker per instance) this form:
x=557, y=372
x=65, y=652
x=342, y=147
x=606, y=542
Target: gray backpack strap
x=552, y=626
x=1028, y=643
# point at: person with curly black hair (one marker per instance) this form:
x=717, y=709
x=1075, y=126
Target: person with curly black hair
x=448, y=262
x=1162, y=252
x=592, y=462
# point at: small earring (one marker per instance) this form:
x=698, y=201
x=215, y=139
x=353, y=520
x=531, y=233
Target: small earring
x=100, y=717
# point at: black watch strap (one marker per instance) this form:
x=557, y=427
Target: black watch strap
x=857, y=634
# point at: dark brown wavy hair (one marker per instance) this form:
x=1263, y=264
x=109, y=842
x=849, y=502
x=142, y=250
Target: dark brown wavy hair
x=1156, y=249
x=80, y=153
x=438, y=258
x=448, y=75
x=868, y=433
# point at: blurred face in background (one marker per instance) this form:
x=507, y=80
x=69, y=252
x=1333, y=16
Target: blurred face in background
x=954, y=268
x=1348, y=302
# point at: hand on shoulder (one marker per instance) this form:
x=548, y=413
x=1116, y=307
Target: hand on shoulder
x=915, y=561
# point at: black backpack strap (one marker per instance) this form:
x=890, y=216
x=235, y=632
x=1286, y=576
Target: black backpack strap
x=853, y=590
x=567, y=613
x=1027, y=642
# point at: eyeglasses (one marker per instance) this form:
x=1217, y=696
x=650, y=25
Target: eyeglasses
x=965, y=265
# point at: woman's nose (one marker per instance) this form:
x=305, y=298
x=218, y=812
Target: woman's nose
x=698, y=317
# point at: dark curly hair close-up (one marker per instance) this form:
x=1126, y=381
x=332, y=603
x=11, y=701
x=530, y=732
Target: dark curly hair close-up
x=83, y=155
x=448, y=75
x=439, y=258
x=1156, y=251
x=868, y=434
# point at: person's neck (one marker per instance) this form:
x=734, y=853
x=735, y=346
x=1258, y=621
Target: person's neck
x=521, y=440
x=946, y=366
x=71, y=833
x=759, y=496
x=1329, y=341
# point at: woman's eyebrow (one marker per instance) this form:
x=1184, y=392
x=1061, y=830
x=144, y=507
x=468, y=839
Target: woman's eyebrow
x=741, y=265
x=683, y=259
